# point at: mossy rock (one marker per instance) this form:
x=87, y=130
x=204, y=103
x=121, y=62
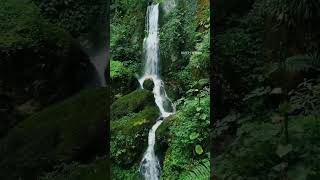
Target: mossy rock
x=163, y=136
x=39, y=61
x=97, y=170
x=74, y=129
x=133, y=102
x=129, y=136
x=148, y=84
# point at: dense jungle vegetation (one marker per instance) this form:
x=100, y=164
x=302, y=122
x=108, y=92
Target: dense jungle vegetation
x=52, y=119
x=182, y=139
x=267, y=85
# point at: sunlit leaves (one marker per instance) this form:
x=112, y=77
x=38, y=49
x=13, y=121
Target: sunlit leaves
x=194, y=136
x=198, y=149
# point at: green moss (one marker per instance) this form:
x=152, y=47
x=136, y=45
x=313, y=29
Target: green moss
x=148, y=84
x=136, y=121
x=129, y=136
x=162, y=131
x=131, y=103
x=19, y=23
x=63, y=132
x=133, y=115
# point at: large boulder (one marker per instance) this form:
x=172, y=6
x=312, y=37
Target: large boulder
x=132, y=116
x=133, y=102
x=148, y=84
x=39, y=62
x=129, y=136
x=73, y=130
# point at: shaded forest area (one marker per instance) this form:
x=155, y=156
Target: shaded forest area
x=52, y=117
x=266, y=70
x=181, y=140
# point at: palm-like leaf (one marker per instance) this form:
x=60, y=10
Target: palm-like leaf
x=201, y=172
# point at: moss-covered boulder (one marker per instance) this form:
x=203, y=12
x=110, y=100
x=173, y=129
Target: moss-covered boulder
x=39, y=61
x=97, y=170
x=129, y=136
x=163, y=137
x=148, y=84
x=134, y=115
x=74, y=129
x=133, y=102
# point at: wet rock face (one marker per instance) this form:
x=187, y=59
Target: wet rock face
x=148, y=84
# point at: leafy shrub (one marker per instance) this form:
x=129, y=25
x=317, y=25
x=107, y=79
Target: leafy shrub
x=118, y=70
x=74, y=16
x=187, y=143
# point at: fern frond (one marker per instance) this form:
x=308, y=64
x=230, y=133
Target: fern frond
x=298, y=63
x=201, y=172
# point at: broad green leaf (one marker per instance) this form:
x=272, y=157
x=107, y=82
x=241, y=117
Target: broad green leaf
x=194, y=136
x=198, y=149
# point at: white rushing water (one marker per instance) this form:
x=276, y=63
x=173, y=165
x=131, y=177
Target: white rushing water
x=150, y=166
x=100, y=63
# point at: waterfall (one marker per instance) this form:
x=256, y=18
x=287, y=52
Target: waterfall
x=99, y=61
x=150, y=166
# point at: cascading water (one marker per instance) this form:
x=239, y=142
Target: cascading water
x=150, y=166
x=100, y=63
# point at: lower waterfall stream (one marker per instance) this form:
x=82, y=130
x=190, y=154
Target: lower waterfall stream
x=150, y=166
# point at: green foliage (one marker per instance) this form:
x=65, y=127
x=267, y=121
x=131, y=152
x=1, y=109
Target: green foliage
x=118, y=70
x=201, y=172
x=184, y=28
x=198, y=149
x=296, y=64
x=293, y=11
x=265, y=135
x=306, y=96
x=120, y=173
x=74, y=16
x=17, y=28
x=187, y=138
x=200, y=61
x=177, y=34
x=127, y=29
x=22, y=26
